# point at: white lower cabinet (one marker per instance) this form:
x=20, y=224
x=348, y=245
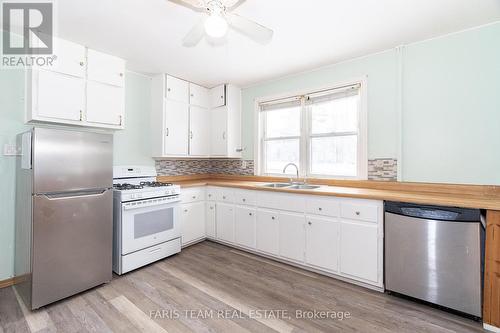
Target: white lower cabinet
x=338, y=236
x=322, y=242
x=225, y=222
x=359, y=250
x=292, y=236
x=210, y=219
x=193, y=222
x=267, y=231
x=244, y=226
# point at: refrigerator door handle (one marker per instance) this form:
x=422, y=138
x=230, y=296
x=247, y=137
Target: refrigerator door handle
x=65, y=195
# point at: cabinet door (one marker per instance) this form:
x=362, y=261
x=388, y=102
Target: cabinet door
x=218, y=96
x=359, y=250
x=105, y=68
x=267, y=231
x=176, y=128
x=292, y=236
x=244, y=226
x=57, y=97
x=193, y=222
x=105, y=104
x=210, y=219
x=225, y=222
x=322, y=243
x=70, y=58
x=177, y=89
x=199, y=131
x=199, y=96
x=219, y=132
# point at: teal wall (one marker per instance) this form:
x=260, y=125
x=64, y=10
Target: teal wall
x=131, y=146
x=450, y=114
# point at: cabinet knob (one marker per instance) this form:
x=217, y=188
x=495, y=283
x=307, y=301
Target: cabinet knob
x=185, y=210
x=250, y=214
x=192, y=95
x=320, y=208
x=358, y=213
x=273, y=218
x=194, y=196
x=81, y=115
x=244, y=199
x=168, y=89
x=209, y=195
x=310, y=223
x=211, y=207
x=121, y=74
x=222, y=97
x=224, y=197
x=82, y=63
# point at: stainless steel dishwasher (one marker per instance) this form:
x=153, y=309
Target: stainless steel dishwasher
x=435, y=254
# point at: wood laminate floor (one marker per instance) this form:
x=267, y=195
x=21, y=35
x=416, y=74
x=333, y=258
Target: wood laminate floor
x=212, y=288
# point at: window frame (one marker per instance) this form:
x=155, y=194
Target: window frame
x=306, y=135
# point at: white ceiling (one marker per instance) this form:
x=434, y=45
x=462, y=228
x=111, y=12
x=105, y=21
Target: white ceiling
x=308, y=33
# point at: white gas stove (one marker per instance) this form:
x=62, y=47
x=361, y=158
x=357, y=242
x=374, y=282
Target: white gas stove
x=146, y=218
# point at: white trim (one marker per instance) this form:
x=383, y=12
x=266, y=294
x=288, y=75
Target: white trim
x=362, y=133
x=399, y=109
x=491, y=328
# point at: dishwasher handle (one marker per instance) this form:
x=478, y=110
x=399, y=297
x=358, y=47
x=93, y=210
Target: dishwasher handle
x=429, y=212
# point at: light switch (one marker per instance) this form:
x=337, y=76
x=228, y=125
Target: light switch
x=10, y=149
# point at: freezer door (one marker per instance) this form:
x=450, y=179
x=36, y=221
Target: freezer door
x=72, y=244
x=66, y=160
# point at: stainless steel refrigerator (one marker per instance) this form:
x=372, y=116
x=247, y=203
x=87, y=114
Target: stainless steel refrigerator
x=64, y=213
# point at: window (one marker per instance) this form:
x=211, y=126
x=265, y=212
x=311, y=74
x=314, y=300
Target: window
x=322, y=132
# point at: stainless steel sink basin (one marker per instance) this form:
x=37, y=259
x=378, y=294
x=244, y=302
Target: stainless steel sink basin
x=276, y=185
x=304, y=187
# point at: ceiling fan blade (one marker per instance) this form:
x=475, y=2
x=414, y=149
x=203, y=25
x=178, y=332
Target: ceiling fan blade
x=194, y=35
x=249, y=28
x=198, y=5
x=232, y=4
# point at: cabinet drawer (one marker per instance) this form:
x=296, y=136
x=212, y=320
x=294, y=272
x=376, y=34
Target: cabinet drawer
x=323, y=206
x=224, y=195
x=192, y=195
x=149, y=255
x=361, y=211
x=245, y=197
x=290, y=202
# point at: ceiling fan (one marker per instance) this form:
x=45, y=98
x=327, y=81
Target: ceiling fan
x=218, y=21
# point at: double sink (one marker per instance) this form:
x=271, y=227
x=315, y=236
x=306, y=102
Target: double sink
x=291, y=186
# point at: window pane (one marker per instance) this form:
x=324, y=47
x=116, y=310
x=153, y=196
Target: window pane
x=283, y=122
x=279, y=153
x=335, y=156
x=338, y=115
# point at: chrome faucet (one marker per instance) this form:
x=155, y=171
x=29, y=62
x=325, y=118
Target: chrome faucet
x=297, y=169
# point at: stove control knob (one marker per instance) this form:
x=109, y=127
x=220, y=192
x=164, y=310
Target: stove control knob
x=132, y=196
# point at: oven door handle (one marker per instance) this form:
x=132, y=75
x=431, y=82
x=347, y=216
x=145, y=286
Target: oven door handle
x=165, y=204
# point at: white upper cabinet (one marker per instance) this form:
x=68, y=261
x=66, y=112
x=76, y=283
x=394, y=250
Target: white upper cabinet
x=105, y=68
x=84, y=88
x=209, y=129
x=70, y=59
x=176, y=119
x=105, y=104
x=176, y=89
x=199, y=131
x=218, y=96
x=56, y=97
x=199, y=96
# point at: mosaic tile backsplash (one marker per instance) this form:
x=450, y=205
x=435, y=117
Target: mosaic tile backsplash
x=382, y=169
x=195, y=167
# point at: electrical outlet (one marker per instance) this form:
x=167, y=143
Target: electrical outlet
x=10, y=149
x=244, y=164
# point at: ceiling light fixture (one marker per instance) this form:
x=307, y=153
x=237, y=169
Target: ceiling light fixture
x=216, y=26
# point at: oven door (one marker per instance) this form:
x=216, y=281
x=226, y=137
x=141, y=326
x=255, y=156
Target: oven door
x=147, y=223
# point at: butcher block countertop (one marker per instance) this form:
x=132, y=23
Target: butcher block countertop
x=468, y=196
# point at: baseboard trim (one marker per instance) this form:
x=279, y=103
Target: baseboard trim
x=7, y=283
x=491, y=328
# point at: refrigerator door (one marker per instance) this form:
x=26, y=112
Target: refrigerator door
x=72, y=244
x=66, y=160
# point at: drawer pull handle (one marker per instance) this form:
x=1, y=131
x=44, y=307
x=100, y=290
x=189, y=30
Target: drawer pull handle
x=358, y=213
x=155, y=250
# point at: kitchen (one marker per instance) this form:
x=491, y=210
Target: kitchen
x=208, y=165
